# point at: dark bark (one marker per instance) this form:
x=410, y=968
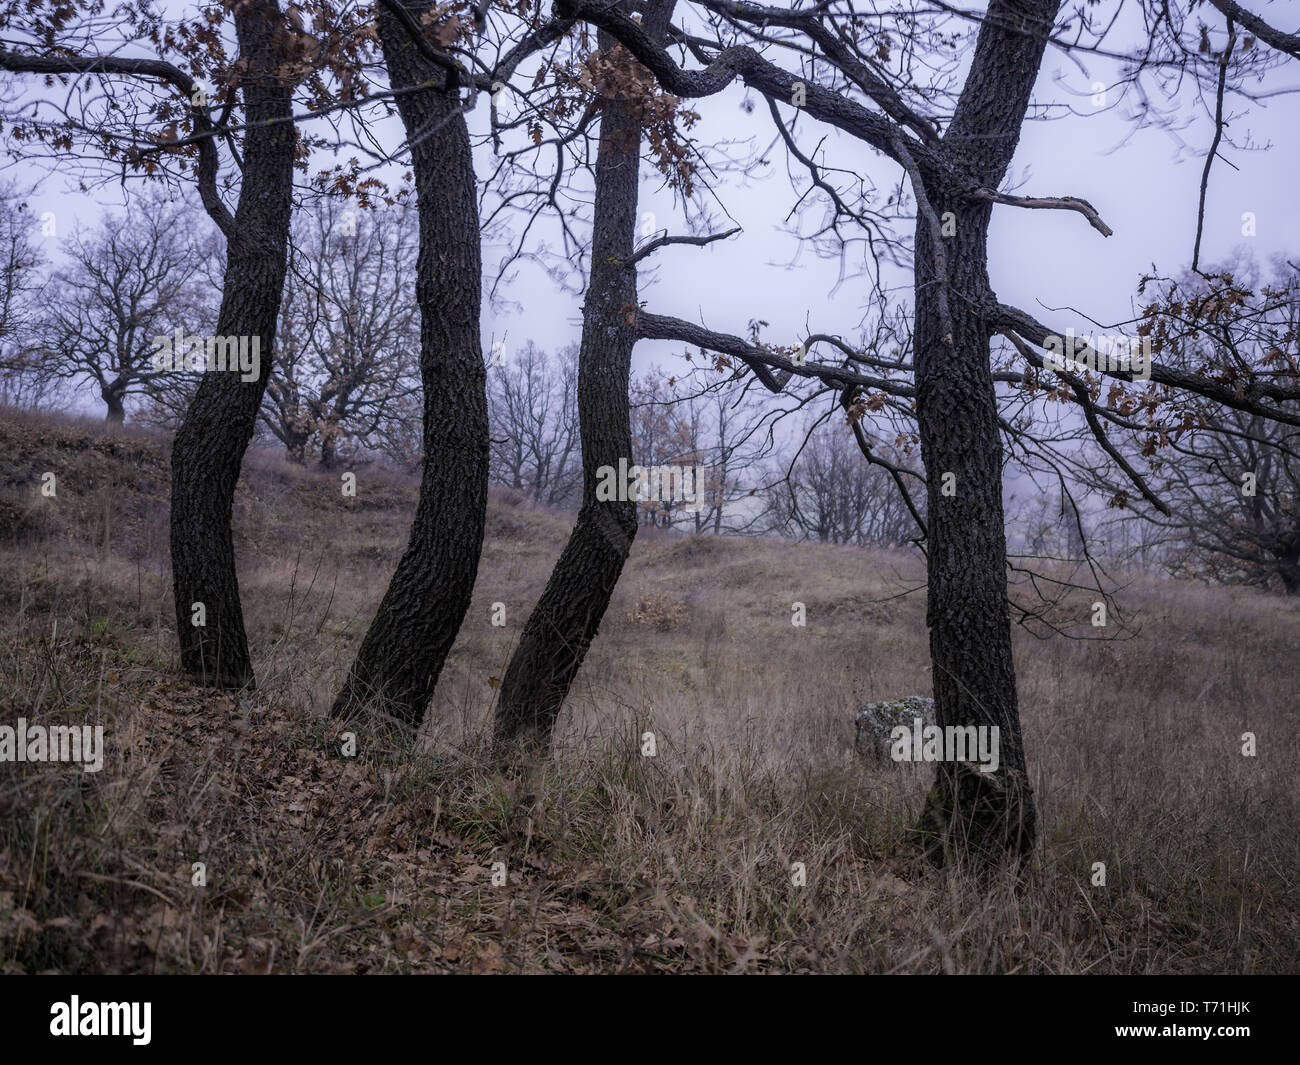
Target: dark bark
x=970, y=630
x=400, y=659
x=562, y=625
x=210, y=444
x=970, y=814
x=1288, y=568
x=295, y=447
x=116, y=408
x=967, y=814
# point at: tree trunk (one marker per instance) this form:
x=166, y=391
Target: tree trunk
x=970, y=812
x=209, y=446
x=295, y=447
x=970, y=815
x=116, y=409
x=1289, y=570
x=417, y=621
x=565, y=620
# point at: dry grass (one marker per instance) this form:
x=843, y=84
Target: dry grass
x=615, y=861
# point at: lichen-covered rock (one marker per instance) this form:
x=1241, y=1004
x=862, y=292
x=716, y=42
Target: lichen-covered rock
x=875, y=721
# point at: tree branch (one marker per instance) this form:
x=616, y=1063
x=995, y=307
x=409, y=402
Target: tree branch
x=738, y=61
x=143, y=68
x=1246, y=399
x=761, y=361
x=1283, y=42
x=664, y=241
x=1214, y=145
x=1051, y=203
x=924, y=209
x=1080, y=391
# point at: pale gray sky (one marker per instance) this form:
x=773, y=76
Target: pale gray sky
x=1144, y=184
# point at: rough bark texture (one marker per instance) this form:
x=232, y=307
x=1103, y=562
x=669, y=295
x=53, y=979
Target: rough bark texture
x=969, y=814
x=565, y=620
x=1289, y=571
x=970, y=630
x=400, y=659
x=116, y=408
x=209, y=447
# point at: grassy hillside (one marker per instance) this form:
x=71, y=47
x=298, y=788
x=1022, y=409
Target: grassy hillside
x=614, y=861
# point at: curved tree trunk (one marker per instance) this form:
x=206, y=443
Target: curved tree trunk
x=209, y=446
x=565, y=620
x=417, y=621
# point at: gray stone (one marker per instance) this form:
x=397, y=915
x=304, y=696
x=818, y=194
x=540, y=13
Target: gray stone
x=875, y=721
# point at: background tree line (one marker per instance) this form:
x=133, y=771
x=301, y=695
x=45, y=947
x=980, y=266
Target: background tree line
x=345, y=383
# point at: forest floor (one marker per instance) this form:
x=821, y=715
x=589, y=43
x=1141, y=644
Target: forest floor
x=230, y=833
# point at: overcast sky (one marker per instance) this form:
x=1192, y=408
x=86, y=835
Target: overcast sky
x=1144, y=184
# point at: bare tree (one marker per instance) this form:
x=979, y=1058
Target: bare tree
x=1245, y=530
x=130, y=280
x=829, y=494
x=405, y=647
x=1232, y=477
x=399, y=437
x=22, y=279
x=532, y=402
x=144, y=105
x=562, y=625
x=397, y=666
x=349, y=333
x=734, y=453
x=667, y=431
